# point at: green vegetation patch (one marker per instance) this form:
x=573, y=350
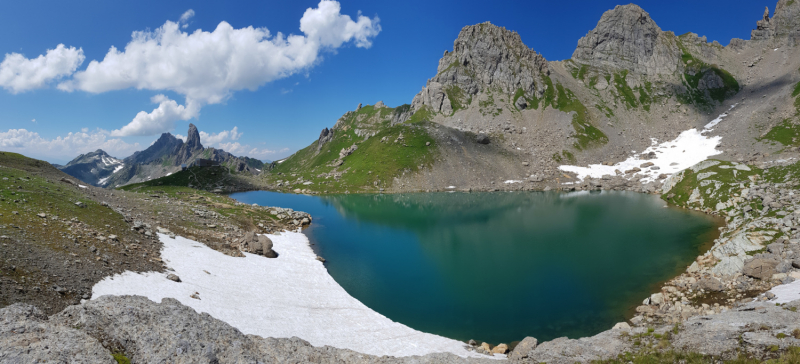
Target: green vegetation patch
x=23, y=190
x=203, y=178
x=580, y=72
x=716, y=185
x=533, y=101
x=625, y=91
x=373, y=165
x=121, y=358
x=586, y=133
x=457, y=97
x=423, y=114
x=695, y=71
x=786, y=133
x=564, y=157
x=796, y=91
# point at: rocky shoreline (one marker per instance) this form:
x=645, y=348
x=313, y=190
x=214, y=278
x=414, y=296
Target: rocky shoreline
x=757, y=250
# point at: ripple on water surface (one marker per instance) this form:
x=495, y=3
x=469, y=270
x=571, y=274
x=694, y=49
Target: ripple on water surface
x=500, y=266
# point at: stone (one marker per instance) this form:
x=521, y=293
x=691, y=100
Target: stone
x=524, y=348
x=500, y=349
x=27, y=336
x=784, y=266
x=657, y=299
x=621, y=326
x=709, y=284
x=521, y=104
x=761, y=268
x=42, y=215
x=173, y=278
x=472, y=342
x=486, y=346
x=482, y=139
x=347, y=151
x=325, y=136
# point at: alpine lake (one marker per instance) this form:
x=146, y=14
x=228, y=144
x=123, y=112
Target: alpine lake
x=500, y=266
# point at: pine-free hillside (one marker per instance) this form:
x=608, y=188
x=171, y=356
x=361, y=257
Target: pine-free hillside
x=363, y=152
x=628, y=83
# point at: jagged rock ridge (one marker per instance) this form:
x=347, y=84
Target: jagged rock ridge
x=484, y=56
x=784, y=24
x=626, y=37
x=164, y=157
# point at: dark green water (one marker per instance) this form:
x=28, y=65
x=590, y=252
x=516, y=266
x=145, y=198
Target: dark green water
x=500, y=266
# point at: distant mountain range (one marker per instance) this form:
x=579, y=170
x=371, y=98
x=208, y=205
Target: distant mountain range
x=166, y=156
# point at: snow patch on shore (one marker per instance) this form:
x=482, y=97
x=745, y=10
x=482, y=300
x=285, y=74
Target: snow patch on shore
x=292, y=295
x=786, y=292
x=689, y=148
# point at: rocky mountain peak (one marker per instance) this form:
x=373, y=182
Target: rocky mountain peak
x=193, y=139
x=626, y=37
x=784, y=24
x=484, y=56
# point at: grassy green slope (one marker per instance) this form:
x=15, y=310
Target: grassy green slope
x=373, y=165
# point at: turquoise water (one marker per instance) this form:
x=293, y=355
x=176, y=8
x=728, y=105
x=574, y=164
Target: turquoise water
x=500, y=266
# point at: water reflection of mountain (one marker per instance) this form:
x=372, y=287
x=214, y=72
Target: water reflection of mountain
x=500, y=266
x=573, y=257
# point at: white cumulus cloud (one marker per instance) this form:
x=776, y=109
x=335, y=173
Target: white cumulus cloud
x=161, y=119
x=20, y=74
x=207, y=67
x=246, y=150
x=185, y=18
x=32, y=144
x=214, y=139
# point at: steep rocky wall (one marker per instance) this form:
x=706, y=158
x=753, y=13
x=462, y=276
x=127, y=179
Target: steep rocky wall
x=484, y=56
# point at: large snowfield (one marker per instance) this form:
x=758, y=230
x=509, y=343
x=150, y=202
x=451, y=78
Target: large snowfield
x=689, y=148
x=292, y=295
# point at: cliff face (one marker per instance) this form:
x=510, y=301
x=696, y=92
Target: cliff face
x=484, y=56
x=190, y=147
x=626, y=37
x=784, y=25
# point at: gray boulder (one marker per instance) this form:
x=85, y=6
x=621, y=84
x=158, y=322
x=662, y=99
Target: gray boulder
x=709, y=284
x=524, y=348
x=169, y=332
x=760, y=267
x=26, y=336
x=482, y=139
x=258, y=244
x=521, y=104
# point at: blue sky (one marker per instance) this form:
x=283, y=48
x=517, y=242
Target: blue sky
x=388, y=57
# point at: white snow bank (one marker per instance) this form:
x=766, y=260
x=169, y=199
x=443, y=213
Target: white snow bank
x=118, y=168
x=786, y=292
x=512, y=181
x=291, y=295
x=81, y=186
x=689, y=148
x=102, y=181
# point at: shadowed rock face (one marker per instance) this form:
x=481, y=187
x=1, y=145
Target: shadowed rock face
x=484, y=55
x=166, y=145
x=626, y=37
